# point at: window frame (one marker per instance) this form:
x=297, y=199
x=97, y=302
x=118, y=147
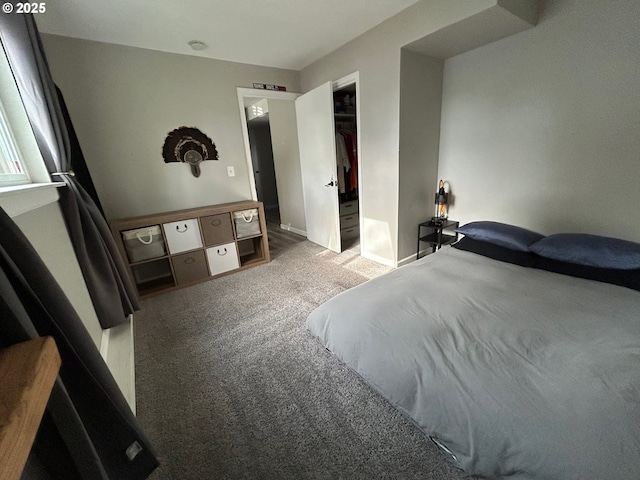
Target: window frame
x=19, y=196
x=10, y=153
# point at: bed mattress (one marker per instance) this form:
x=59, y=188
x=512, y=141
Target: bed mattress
x=519, y=373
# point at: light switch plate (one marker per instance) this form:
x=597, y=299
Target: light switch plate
x=231, y=172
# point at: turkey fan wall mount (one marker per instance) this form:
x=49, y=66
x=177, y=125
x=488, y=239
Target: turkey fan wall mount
x=189, y=145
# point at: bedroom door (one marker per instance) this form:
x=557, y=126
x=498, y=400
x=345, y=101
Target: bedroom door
x=317, y=144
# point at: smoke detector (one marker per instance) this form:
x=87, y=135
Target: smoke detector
x=197, y=45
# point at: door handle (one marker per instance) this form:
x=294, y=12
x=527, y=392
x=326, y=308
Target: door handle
x=332, y=182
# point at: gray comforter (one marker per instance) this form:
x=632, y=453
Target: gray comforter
x=518, y=372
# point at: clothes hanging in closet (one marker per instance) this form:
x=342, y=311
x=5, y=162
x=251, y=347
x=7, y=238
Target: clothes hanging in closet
x=347, y=161
x=342, y=161
x=352, y=151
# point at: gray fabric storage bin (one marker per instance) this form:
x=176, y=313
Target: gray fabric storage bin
x=247, y=222
x=144, y=243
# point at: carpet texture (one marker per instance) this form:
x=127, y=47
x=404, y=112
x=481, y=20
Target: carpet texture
x=231, y=385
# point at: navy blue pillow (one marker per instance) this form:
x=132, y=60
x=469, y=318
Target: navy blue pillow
x=624, y=278
x=501, y=234
x=589, y=250
x=468, y=244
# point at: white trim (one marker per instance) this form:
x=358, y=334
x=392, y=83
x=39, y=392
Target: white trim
x=10, y=153
x=19, y=199
x=407, y=260
x=132, y=359
x=104, y=344
x=258, y=94
x=289, y=228
x=379, y=259
x=346, y=81
x=118, y=351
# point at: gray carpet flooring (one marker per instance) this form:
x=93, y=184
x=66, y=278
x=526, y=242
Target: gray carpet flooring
x=230, y=385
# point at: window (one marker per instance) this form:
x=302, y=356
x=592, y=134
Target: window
x=25, y=183
x=12, y=171
x=20, y=160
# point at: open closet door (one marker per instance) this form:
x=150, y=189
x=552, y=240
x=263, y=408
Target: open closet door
x=317, y=143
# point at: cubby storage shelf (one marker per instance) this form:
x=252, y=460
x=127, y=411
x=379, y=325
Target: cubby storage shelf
x=172, y=250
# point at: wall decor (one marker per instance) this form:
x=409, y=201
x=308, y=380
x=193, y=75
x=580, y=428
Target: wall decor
x=268, y=86
x=189, y=145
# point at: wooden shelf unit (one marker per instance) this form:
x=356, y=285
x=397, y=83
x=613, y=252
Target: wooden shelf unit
x=199, y=244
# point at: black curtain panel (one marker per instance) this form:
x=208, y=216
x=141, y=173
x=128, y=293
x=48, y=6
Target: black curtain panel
x=77, y=163
x=109, y=286
x=89, y=432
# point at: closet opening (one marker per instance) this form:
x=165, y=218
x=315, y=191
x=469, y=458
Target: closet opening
x=346, y=128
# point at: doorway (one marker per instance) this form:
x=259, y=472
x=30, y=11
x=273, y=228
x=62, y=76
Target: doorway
x=268, y=117
x=328, y=131
x=336, y=222
x=259, y=132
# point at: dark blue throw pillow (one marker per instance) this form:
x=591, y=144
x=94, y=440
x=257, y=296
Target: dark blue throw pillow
x=501, y=234
x=589, y=250
x=491, y=250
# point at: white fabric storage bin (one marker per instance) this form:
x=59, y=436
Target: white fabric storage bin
x=222, y=258
x=183, y=235
x=247, y=222
x=144, y=243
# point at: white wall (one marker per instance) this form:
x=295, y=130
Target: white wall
x=542, y=129
x=376, y=55
x=286, y=157
x=420, y=103
x=47, y=232
x=124, y=101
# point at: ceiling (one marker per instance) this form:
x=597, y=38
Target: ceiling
x=287, y=34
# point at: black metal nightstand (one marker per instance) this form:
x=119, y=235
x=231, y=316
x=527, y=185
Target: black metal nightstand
x=437, y=234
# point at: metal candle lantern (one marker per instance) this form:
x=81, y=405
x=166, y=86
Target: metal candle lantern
x=441, y=201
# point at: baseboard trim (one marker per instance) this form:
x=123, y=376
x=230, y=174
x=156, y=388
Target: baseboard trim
x=289, y=228
x=409, y=259
x=379, y=259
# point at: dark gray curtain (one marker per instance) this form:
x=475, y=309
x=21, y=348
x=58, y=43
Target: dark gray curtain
x=104, y=273
x=89, y=431
x=88, y=427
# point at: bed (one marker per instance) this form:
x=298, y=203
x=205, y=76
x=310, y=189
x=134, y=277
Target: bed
x=515, y=372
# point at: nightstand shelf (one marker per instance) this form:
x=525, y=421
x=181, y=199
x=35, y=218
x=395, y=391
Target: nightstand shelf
x=435, y=235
